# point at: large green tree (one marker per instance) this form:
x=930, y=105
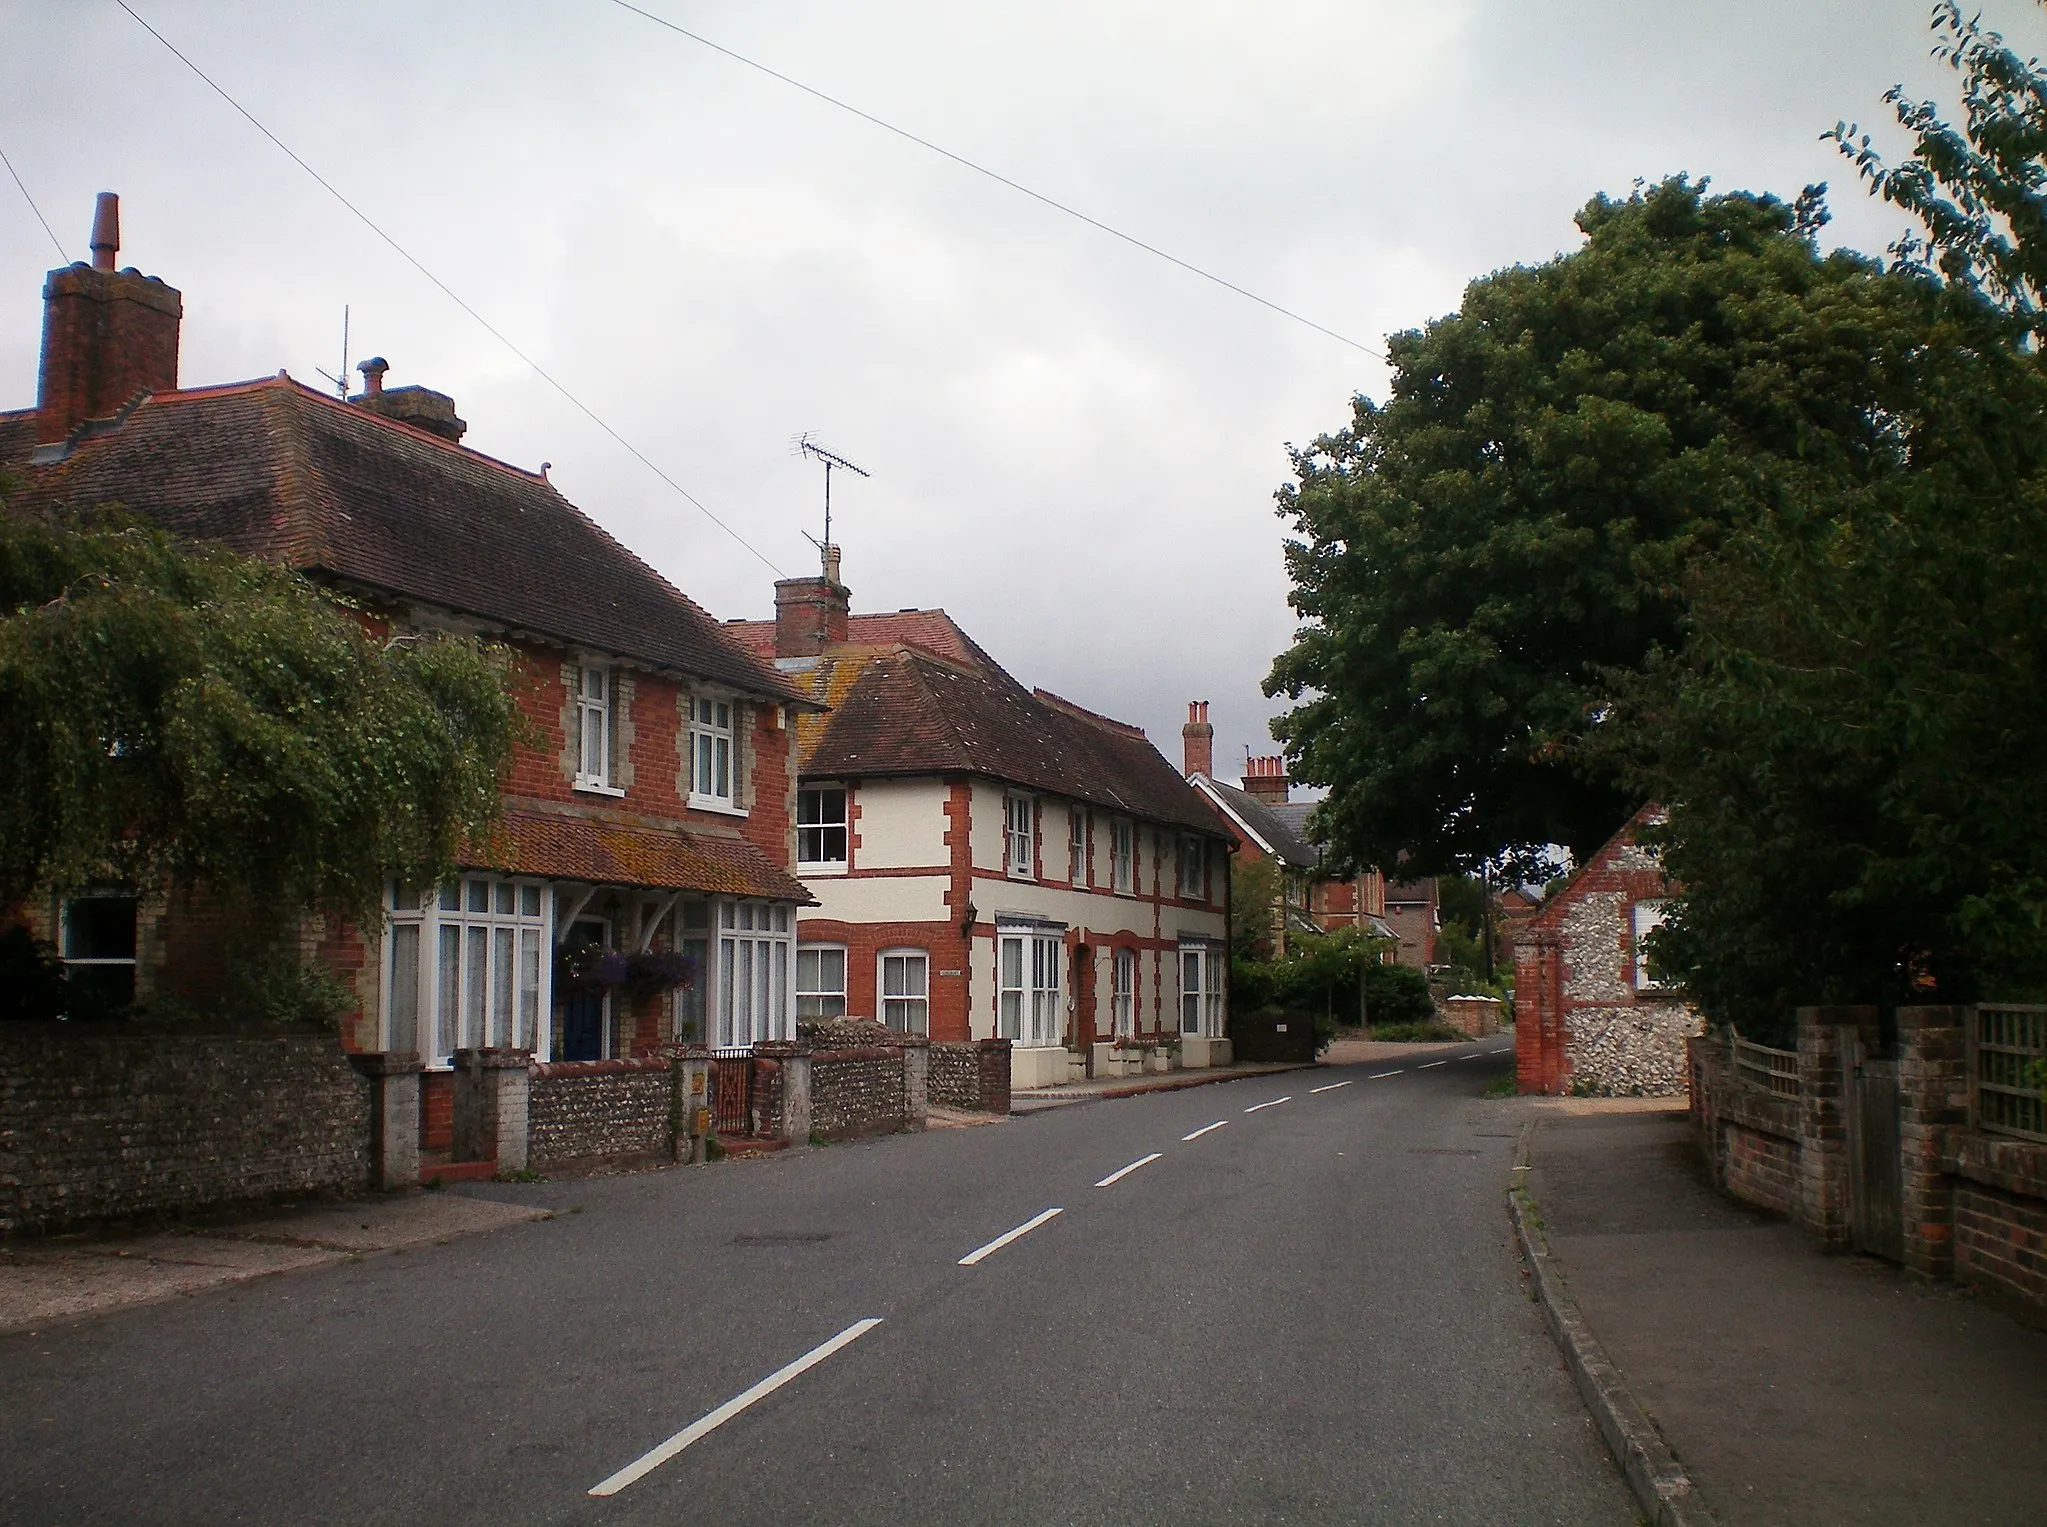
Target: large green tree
x=176, y=714
x=1478, y=556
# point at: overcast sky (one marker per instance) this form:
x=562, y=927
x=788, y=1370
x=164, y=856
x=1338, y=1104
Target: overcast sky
x=1073, y=445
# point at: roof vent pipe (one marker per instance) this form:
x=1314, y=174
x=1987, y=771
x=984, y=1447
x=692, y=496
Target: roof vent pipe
x=373, y=371
x=106, y=230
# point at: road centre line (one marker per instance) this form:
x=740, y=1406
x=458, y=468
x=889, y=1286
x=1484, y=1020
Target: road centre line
x=1122, y=1172
x=1381, y=1075
x=1002, y=1240
x=648, y=1462
x=1430, y=1064
x=1273, y=1104
x=1332, y=1086
x=1218, y=1124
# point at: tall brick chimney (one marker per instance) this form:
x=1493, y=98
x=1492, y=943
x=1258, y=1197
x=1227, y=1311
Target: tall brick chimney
x=1197, y=742
x=1266, y=779
x=811, y=613
x=107, y=334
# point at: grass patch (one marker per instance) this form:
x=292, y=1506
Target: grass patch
x=1500, y=1086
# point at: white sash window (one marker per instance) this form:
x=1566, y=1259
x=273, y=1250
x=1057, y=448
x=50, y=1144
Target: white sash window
x=756, y=948
x=1029, y=988
x=1123, y=992
x=1201, y=991
x=906, y=990
x=467, y=967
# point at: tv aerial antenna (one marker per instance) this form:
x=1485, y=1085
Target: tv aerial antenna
x=340, y=382
x=806, y=445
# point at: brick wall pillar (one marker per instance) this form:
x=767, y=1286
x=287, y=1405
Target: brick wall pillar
x=492, y=1092
x=793, y=1120
x=691, y=1115
x=394, y=1118
x=994, y=1058
x=1825, y=1035
x=1933, y=1105
x=916, y=1082
x=1707, y=1065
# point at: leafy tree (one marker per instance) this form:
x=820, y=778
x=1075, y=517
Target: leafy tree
x=1254, y=894
x=177, y=714
x=1476, y=558
x=1978, y=191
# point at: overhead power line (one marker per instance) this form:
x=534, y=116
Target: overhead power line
x=38, y=211
x=447, y=291
x=999, y=178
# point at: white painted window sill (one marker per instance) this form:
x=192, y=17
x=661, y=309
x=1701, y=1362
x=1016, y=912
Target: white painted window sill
x=722, y=808
x=591, y=787
x=824, y=867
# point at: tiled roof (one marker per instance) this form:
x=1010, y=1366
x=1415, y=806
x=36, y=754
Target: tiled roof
x=17, y=440
x=908, y=712
x=280, y=471
x=608, y=853
x=1279, y=826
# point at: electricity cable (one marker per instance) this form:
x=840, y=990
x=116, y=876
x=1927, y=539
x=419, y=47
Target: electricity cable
x=38, y=211
x=999, y=178
x=446, y=290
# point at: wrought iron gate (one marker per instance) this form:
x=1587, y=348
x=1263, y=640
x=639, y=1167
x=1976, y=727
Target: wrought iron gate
x=732, y=1091
x=1876, y=1187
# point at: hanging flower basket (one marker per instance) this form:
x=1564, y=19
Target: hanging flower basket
x=658, y=971
x=590, y=968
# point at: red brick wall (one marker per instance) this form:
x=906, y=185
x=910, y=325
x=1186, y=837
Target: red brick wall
x=437, y=1111
x=1762, y=1168
x=2000, y=1241
x=864, y=942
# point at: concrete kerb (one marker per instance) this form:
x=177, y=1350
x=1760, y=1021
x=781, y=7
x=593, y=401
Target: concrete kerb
x=1662, y=1487
x=1035, y=1105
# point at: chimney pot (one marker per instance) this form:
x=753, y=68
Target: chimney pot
x=1266, y=778
x=106, y=230
x=373, y=371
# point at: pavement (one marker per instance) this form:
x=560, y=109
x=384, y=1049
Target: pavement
x=1095, y=1089
x=1794, y=1387
x=61, y=1278
x=1286, y=1298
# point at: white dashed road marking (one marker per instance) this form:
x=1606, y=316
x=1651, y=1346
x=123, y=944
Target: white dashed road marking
x=1273, y=1104
x=1381, y=1075
x=1218, y=1124
x=1427, y=1064
x=1331, y=1087
x=1122, y=1172
x=1002, y=1240
x=648, y=1462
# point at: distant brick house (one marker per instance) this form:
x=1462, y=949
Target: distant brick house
x=989, y=860
x=657, y=811
x=1588, y=1015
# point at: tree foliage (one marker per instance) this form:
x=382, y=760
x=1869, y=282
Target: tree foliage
x=178, y=714
x=1477, y=556
x=1977, y=190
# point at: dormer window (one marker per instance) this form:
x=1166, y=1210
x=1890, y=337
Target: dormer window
x=1022, y=820
x=711, y=771
x=594, y=703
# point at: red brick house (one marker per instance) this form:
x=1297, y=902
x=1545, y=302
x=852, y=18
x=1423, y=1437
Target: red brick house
x=1588, y=1015
x=990, y=860
x=657, y=812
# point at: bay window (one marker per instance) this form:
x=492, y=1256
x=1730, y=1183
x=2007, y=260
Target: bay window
x=466, y=967
x=756, y=948
x=1029, y=991
x=906, y=990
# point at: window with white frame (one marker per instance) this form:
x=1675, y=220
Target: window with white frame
x=466, y=967
x=756, y=948
x=1076, y=846
x=594, y=700
x=1021, y=821
x=1193, y=868
x=1647, y=917
x=1123, y=992
x=1201, y=992
x=97, y=945
x=821, y=827
x=1029, y=991
x=906, y=990
x=820, y=981
x=1123, y=855
x=711, y=743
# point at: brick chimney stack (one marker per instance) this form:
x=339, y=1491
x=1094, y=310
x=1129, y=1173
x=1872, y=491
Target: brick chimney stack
x=421, y=407
x=108, y=334
x=1197, y=742
x=1266, y=779
x=811, y=613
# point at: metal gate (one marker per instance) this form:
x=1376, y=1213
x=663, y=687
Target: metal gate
x=732, y=1091
x=1876, y=1186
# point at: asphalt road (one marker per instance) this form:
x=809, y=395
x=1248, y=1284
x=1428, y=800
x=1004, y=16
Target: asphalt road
x=1309, y=1314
